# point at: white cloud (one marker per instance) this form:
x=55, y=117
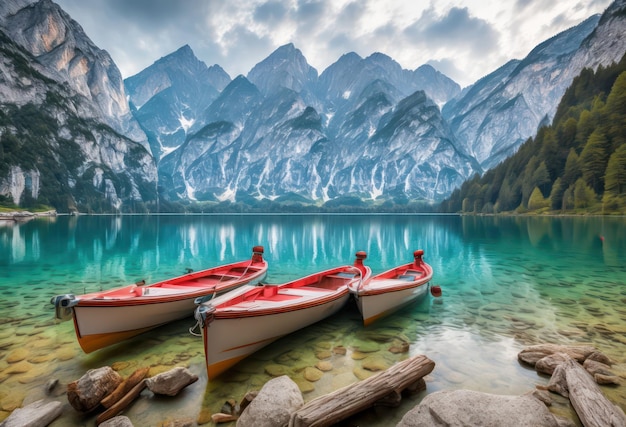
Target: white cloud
x=464, y=39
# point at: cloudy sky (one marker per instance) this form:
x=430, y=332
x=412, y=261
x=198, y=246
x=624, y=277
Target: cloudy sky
x=464, y=39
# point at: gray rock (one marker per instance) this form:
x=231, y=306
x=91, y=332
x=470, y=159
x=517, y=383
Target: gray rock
x=119, y=421
x=594, y=367
x=37, y=414
x=548, y=364
x=273, y=406
x=172, y=381
x=600, y=357
x=532, y=354
x=86, y=393
x=471, y=408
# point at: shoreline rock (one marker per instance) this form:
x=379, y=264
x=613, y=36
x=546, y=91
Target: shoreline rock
x=458, y=407
x=22, y=216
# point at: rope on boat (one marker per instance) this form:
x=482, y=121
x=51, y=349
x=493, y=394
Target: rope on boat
x=193, y=328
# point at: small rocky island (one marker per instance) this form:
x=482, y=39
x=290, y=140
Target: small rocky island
x=576, y=372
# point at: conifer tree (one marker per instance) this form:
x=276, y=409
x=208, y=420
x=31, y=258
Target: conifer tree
x=615, y=180
x=572, y=169
x=584, y=196
x=593, y=161
x=556, y=195
x=616, y=112
x=536, y=201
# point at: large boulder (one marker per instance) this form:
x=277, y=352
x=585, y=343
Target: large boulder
x=273, y=406
x=171, y=382
x=86, y=393
x=472, y=408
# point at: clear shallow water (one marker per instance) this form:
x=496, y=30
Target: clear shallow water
x=507, y=283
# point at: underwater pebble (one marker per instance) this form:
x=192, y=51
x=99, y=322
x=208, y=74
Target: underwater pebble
x=361, y=373
x=312, y=374
x=276, y=370
x=324, y=365
x=324, y=354
x=340, y=350
x=17, y=355
x=357, y=355
x=66, y=354
x=375, y=363
x=304, y=385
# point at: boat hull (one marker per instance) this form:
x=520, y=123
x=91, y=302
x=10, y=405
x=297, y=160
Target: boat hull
x=229, y=340
x=124, y=322
x=245, y=320
x=110, y=316
x=374, y=307
x=393, y=289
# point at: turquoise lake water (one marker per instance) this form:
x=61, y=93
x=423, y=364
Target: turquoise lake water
x=508, y=282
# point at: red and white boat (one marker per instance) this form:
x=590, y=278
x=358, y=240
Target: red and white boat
x=247, y=319
x=110, y=316
x=388, y=292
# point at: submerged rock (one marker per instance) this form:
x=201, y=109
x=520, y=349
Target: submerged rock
x=273, y=406
x=119, y=421
x=465, y=407
x=171, y=382
x=37, y=414
x=312, y=374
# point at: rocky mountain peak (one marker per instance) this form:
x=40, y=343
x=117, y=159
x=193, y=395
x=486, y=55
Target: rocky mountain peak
x=62, y=47
x=285, y=67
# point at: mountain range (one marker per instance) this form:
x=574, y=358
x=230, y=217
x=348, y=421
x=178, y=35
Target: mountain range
x=364, y=131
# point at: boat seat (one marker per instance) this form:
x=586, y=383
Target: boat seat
x=304, y=292
x=342, y=275
x=242, y=306
x=414, y=272
x=168, y=290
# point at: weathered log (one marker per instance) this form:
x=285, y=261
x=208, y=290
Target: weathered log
x=124, y=387
x=352, y=399
x=121, y=404
x=534, y=353
x=592, y=407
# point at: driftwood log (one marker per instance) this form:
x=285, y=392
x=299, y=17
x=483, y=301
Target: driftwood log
x=571, y=380
x=121, y=404
x=125, y=387
x=386, y=386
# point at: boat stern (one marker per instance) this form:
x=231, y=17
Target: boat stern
x=63, y=306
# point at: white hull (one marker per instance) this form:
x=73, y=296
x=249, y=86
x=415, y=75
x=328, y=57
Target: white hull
x=228, y=340
x=373, y=307
x=110, y=316
x=90, y=320
x=393, y=289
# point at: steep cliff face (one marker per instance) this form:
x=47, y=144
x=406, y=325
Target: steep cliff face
x=55, y=146
x=283, y=131
x=365, y=127
x=270, y=142
x=60, y=45
x=502, y=110
x=606, y=44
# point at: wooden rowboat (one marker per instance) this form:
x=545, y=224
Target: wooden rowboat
x=247, y=319
x=388, y=292
x=108, y=317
